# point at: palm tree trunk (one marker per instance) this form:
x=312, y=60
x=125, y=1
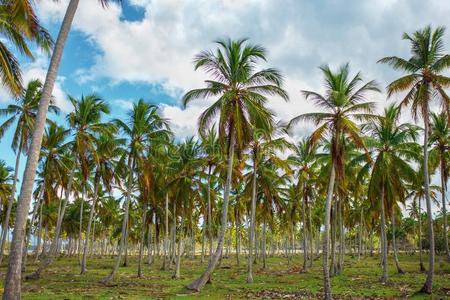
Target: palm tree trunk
x=39, y=234
x=360, y=234
x=384, y=277
x=209, y=213
x=428, y=285
x=124, y=223
x=341, y=238
x=444, y=209
x=206, y=276
x=264, y=244
x=166, y=234
x=326, y=236
x=394, y=244
x=149, y=244
x=202, y=256
x=83, y=195
x=333, y=239
x=10, y=201
x=141, y=245
x=12, y=282
x=422, y=267
x=252, y=223
x=304, y=228
x=238, y=234
x=88, y=229
x=311, y=249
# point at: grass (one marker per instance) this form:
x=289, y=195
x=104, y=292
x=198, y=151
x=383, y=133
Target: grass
x=360, y=279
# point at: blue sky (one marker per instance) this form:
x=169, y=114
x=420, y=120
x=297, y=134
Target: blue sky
x=144, y=48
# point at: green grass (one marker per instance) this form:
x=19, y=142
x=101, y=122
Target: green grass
x=360, y=279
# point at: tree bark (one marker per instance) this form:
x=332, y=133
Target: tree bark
x=88, y=229
x=304, y=228
x=384, y=277
x=444, y=208
x=394, y=243
x=326, y=236
x=252, y=222
x=428, y=285
x=206, y=276
x=422, y=267
x=166, y=234
x=141, y=245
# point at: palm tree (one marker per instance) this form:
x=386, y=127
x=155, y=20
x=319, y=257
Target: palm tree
x=24, y=113
x=19, y=25
x=392, y=145
x=440, y=138
x=12, y=279
x=5, y=183
x=423, y=83
x=342, y=103
x=107, y=149
x=85, y=124
x=241, y=95
x=143, y=126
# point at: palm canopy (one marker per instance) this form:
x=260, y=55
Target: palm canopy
x=240, y=89
x=424, y=80
x=24, y=112
x=343, y=103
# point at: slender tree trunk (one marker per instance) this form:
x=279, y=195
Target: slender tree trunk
x=309, y=221
x=444, y=208
x=124, y=223
x=326, y=236
x=210, y=237
x=166, y=234
x=341, y=238
x=149, y=244
x=206, y=276
x=428, y=285
x=252, y=222
x=264, y=258
x=304, y=228
x=202, y=257
x=83, y=195
x=394, y=244
x=360, y=234
x=10, y=201
x=238, y=234
x=384, y=277
x=421, y=265
x=39, y=235
x=141, y=245
x=333, y=239
x=88, y=229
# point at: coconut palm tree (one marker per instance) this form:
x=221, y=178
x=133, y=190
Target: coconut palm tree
x=12, y=279
x=423, y=83
x=23, y=114
x=342, y=103
x=240, y=93
x=19, y=26
x=440, y=154
x=143, y=127
x=392, y=145
x=6, y=180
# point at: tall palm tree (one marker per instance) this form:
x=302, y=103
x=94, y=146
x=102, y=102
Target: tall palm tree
x=12, y=278
x=19, y=25
x=85, y=124
x=342, y=103
x=143, y=126
x=423, y=83
x=6, y=179
x=241, y=92
x=24, y=114
x=440, y=153
x=392, y=145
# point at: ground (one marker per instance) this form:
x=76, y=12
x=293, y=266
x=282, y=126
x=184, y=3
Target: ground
x=360, y=279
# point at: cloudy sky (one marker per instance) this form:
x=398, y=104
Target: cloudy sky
x=144, y=48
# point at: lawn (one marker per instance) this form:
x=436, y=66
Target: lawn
x=360, y=279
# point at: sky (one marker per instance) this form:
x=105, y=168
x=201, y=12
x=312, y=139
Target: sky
x=145, y=48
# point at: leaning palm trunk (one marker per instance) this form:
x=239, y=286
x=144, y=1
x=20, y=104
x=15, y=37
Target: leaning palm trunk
x=326, y=236
x=206, y=276
x=88, y=230
x=444, y=209
x=252, y=224
x=10, y=201
x=428, y=285
x=13, y=275
x=124, y=224
x=39, y=234
x=394, y=244
x=48, y=259
x=384, y=277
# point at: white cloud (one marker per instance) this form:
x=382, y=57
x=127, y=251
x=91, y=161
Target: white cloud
x=125, y=104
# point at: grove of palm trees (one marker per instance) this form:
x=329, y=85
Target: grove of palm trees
x=114, y=206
